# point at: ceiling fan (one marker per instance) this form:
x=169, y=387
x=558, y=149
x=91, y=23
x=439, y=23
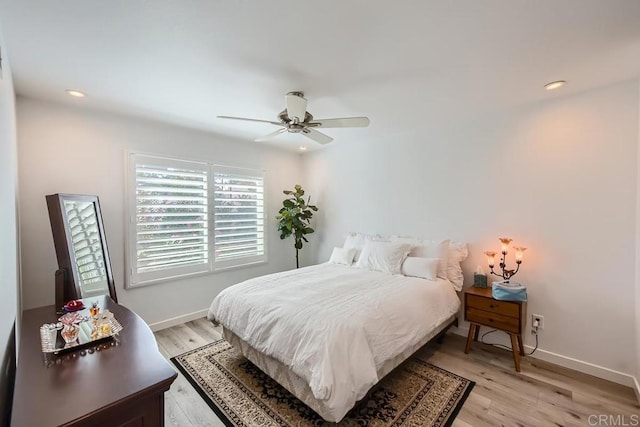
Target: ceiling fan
x=296, y=119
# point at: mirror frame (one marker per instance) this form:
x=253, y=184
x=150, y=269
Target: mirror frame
x=63, y=244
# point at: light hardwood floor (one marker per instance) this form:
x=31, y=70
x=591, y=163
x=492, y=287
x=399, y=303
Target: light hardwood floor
x=541, y=395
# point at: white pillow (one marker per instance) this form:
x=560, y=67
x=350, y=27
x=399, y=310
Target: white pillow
x=342, y=256
x=457, y=253
x=426, y=268
x=357, y=240
x=429, y=249
x=383, y=256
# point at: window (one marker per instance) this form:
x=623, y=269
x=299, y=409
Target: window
x=191, y=217
x=238, y=206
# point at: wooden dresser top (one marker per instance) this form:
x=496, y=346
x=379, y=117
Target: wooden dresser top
x=72, y=387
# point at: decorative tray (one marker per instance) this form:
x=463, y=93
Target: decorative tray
x=60, y=337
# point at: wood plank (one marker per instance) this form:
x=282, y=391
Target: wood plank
x=523, y=415
x=206, y=329
x=171, y=343
x=459, y=423
x=173, y=413
x=188, y=337
x=194, y=407
x=605, y=406
x=475, y=411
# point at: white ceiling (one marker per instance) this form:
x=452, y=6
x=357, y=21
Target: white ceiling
x=401, y=63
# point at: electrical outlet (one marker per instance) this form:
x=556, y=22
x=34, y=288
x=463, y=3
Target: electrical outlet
x=540, y=319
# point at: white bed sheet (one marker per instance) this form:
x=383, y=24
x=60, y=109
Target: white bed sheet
x=333, y=325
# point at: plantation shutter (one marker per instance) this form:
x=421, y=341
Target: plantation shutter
x=171, y=218
x=239, y=215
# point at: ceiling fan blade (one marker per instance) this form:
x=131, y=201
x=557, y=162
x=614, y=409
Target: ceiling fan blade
x=296, y=106
x=271, y=135
x=249, y=120
x=318, y=137
x=344, y=122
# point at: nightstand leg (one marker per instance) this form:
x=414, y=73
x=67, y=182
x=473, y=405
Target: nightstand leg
x=472, y=329
x=514, y=348
x=475, y=336
x=520, y=345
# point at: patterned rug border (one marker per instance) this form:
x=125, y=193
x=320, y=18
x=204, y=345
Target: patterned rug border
x=227, y=422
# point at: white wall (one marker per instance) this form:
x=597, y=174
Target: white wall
x=8, y=206
x=559, y=177
x=72, y=150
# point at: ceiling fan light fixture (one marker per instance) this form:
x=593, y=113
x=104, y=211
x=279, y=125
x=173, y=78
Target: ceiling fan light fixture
x=555, y=85
x=296, y=119
x=76, y=93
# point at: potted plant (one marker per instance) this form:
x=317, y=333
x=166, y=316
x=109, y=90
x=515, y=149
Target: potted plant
x=294, y=217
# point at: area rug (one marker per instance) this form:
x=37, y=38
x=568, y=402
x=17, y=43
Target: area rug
x=414, y=394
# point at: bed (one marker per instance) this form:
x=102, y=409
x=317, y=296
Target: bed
x=328, y=333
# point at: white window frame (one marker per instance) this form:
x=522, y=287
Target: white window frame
x=136, y=279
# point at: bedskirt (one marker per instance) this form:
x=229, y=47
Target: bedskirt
x=299, y=388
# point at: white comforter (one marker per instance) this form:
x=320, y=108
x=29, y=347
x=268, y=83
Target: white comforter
x=333, y=325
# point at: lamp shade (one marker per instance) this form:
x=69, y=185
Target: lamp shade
x=504, y=243
x=491, y=258
x=519, y=253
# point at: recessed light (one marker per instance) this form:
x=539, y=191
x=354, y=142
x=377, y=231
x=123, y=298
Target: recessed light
x=303, y=148
x=555, y=85
x=76, y=93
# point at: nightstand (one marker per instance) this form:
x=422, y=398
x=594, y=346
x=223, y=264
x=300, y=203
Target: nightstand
x=480, y=309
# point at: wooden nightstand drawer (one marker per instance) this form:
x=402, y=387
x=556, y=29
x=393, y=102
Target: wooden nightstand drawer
x=505, y=308
x=493, y=320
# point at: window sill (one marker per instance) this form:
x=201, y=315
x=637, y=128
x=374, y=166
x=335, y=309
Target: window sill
x=152, y=282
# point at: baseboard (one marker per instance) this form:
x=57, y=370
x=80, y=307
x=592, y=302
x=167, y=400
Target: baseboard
x=174, y=321
x=636, y=388
x=575, y=364
x=582, y=366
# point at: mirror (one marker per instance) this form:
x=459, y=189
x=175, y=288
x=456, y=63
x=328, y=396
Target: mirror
x=81, y=247
x=86, y=247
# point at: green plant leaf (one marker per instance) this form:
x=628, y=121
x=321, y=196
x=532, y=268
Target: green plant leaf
x=295, y=215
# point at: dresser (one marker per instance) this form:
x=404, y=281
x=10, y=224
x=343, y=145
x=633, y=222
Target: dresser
x=481, y=309
x=120, y=382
